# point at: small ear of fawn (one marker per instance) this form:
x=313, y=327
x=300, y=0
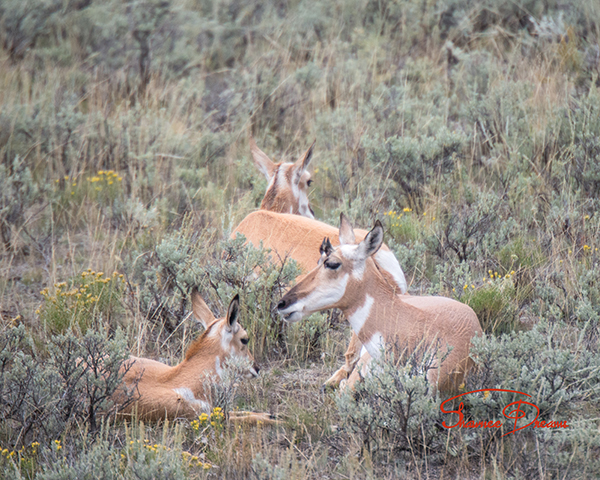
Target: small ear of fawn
x=158, y=391
x=291, y=235
x=347, y=278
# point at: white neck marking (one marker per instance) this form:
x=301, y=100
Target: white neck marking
x=360, y=316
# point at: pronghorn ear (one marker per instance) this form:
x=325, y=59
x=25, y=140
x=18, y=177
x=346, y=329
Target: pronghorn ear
x=346, y=231
x=325, y=249
x=201, y=310
x=372, y=241
x=233, y=311
x=302, y=164
x=262, y=162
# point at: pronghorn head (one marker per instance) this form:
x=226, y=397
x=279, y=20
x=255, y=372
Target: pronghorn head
x=339, y=278
x=223, y=337
x=287, y=191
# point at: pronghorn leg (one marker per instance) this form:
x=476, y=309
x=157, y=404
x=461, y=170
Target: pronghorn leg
x=352, y=356
x=253, y=417
x=360, y=371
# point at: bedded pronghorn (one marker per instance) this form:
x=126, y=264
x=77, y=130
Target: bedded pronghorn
x=348, y=279
x=287, y=190
x=159, y=391
x=297, y=235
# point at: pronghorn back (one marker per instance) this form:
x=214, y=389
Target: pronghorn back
x=293, y=236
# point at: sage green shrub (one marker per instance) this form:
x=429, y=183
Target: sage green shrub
x=47, y=391
x=394, y=409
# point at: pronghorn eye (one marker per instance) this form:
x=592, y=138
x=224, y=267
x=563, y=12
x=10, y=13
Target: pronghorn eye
x=309, y=183
x=333, y=265
x=244, y=341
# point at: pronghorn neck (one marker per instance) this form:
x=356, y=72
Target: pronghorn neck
x=205, y=354
x=363, y=292
x=206, y=345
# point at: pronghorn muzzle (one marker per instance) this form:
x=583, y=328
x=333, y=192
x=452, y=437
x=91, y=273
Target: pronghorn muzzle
x=288, y=308
x=254, y=369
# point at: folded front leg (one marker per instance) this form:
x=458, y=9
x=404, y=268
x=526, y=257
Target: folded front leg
x=352, y=356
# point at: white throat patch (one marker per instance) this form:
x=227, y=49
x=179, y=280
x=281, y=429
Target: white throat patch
x=360, y=316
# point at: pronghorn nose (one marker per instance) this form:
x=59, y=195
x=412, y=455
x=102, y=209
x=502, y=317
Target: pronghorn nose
x=256, y=368
x=282, y=304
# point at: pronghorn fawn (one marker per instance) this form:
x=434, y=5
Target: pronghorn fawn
x=297, y=235
x=348, y=279
x=159, y=391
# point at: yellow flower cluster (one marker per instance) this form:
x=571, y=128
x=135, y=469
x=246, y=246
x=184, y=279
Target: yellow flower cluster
x=194, y=460
x=151, y=447
x=496, y=275
x=82, y=296
x=493, y=276
x=393, y=214
x=12, y=453
x=215, y=419
x=105, y=176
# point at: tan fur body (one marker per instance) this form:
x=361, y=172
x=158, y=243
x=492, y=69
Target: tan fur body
x=348, y=279
x=160, y=391
x=158, y=382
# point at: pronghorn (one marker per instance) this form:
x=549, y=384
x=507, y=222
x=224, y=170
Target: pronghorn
x=292, y=236
x=159, y=391
x=287, y=190
x=348, y=279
